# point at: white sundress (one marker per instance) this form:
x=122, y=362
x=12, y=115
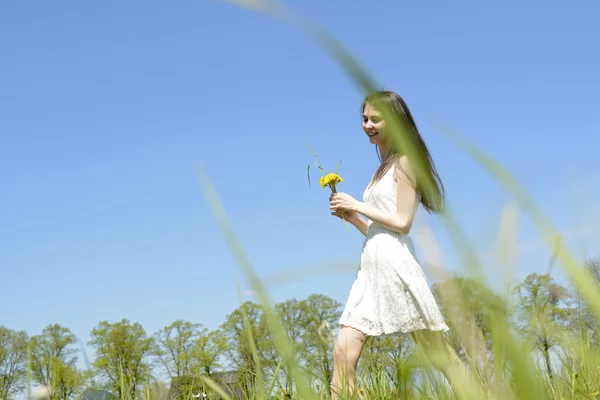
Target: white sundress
x=390, y=294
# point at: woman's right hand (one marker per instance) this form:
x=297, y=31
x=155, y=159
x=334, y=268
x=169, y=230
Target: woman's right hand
x=349, y=216
x=353, y=218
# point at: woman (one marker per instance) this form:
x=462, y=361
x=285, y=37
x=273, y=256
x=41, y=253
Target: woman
x=390, y=294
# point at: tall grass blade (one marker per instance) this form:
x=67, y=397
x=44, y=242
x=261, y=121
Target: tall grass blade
x=254, y=351
x=508, y=242
x=321, y=36
x=215, y=387
x=274, y=321
x=544, y=225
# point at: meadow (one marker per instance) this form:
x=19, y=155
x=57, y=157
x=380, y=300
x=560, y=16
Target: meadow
x=540, y=341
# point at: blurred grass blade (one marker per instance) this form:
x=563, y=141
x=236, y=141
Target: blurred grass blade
x=505, y=346
x=253, y=349
x=216, y=387
x=555, y=251
x=273, y=320
x=508, y=234
x=466, y=251
x=329, y=43
x=541, y=221
x=274, y=380
x=432, y=254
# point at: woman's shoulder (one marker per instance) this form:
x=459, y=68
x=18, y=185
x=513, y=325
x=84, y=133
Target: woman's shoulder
x=403, y=170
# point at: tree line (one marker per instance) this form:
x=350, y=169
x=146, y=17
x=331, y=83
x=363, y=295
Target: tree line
x=133, y=364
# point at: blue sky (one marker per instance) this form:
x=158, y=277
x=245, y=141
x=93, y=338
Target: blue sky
x=109, y=109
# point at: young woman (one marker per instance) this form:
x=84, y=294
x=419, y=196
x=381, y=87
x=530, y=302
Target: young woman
x=390, y=294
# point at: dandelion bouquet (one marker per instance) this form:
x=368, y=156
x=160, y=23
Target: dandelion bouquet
x=327, y=179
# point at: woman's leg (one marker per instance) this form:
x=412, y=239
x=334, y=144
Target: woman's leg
x=348, y=349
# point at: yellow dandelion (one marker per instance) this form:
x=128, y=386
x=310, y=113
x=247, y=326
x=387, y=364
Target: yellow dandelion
x=330, y=180
x=322, y=181
x=327, y=179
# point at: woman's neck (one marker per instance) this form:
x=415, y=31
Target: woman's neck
x=384, y=152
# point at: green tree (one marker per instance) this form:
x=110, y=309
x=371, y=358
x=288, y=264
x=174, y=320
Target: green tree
x=388, y=356
x=239, y=350
x=13, y=359
x=321, y=318
x=309, y=327
x=53, y=361
x=174, y=346
x=542, y=313
x=585, y=321
x=207, y=351
x=294, y=315
x=122, y=353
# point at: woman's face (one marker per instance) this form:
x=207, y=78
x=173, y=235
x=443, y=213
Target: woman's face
x=373, y=125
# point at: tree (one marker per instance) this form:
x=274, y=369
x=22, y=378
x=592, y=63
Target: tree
x=122, y=351
x=237, y=333
x=585, y=321
x=322, y=315
x=53, y=361
x=309, y=326
x=13, y=359
x=186, y=387
x=207, y=350
x=174, y=346
x=542, y=312
x=294, y=314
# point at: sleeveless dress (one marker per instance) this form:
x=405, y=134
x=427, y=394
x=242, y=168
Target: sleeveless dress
x=390, y=294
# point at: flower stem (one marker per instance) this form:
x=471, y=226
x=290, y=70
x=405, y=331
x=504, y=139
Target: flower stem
x=333, y=190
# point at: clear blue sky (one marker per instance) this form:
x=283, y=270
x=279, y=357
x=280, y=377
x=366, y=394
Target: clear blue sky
x=108, y=110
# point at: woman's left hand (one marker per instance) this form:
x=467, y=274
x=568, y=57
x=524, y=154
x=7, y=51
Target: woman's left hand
x=343, y=202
